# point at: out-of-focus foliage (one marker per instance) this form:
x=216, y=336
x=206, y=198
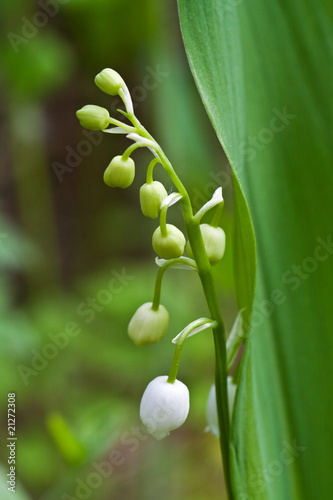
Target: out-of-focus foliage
x=76, y=258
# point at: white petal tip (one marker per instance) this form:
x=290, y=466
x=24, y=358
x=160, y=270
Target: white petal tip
x=171, y=199
x=141, y=140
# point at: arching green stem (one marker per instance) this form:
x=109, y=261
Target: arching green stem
x=130, y=150
x=163, y=226
x=180, y=342
x=160, y=273
x=163, y=159
x=149, y=178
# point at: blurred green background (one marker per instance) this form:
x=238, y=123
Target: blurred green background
x=67, y=241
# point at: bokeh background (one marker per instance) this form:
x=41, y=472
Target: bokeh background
x=76, y=258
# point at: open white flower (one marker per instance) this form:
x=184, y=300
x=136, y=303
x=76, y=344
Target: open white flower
x=164, y=406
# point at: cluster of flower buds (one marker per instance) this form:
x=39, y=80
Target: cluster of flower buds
x=121, y=170
x=165, y=403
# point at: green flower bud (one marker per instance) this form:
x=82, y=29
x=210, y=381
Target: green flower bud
x=214, y=241
x=109, y=81
x=148, y=325
x=120, y=172
x=93, y=117
x=151, y=197
x=170, y=246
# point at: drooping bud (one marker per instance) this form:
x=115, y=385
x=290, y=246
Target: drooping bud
x=120, y=172
x=214, y=241
x=93, y=117
x=148, y=325
x=109, y=81
x=164, y=406
x=151, y=197
x=211, y=409
x=170, y=246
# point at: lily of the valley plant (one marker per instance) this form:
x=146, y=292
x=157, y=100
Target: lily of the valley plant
x=165, y=403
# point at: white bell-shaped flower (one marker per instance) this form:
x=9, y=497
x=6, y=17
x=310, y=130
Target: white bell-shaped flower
x=211, y=409
x=164, y=406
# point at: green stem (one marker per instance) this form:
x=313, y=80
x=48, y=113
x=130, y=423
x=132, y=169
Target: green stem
x=129, y=151
x=204, y=270
x=163, y=159
x=158, y=285
x=120, y=124
x=175, y=364
x=180, y=342
x=163, y=226
x=149, y=178
x=207, y=281
x=160, y=274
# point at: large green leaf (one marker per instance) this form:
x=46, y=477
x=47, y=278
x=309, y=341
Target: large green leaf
x=264, y=71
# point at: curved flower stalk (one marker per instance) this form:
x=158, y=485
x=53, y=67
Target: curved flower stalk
x=205, y=247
